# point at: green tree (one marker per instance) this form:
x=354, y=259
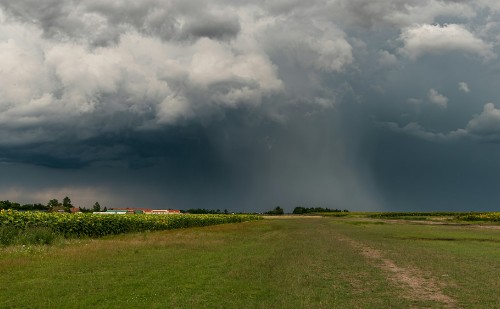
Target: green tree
x=276, y=211
x=96, y=207
x=67, y=202
x=85, y=210
x=299, y=210
x=53, y=203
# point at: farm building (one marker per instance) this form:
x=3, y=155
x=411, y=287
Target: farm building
x=111, y=212
x=145, y=211
x=131, y=210
x=163, y=211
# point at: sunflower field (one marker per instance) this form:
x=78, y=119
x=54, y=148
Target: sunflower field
x=97, y=225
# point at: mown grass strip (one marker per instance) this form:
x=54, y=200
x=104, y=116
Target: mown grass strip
x=295, y=263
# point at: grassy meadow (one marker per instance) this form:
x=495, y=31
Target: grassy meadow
x=295, y=262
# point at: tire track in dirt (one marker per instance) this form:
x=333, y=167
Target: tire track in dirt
x=413, y=281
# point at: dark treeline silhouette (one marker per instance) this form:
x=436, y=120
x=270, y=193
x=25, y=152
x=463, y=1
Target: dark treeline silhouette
x=304, y=210
x=16, y=206
x=205, y=211
x=52, y=205
x=276, y=211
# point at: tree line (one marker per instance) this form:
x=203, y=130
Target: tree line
x=53, y=205
x=299, y=210
x=205, y=211
x=304, y=210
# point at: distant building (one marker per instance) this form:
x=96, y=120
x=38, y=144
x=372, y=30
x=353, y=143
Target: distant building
x=130, y=210
x=147, y=211
x=111, y=212
x=163, y=211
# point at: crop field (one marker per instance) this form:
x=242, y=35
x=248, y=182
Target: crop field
x=294, y=262
x=96, y=225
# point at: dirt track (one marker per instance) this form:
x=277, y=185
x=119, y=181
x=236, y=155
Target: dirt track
x=416, y=284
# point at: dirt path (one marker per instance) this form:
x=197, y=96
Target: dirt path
x=416, y=284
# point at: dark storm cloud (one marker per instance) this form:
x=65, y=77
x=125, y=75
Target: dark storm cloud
x=349, y=104
x=103, y=23
x=213, y=27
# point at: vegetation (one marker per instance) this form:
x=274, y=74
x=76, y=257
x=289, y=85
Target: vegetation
x=289, y=263
x=276, y=211
x=16, y=206
x=304, y=210
x=95, y=225
x=491, y=216
x=52, y=205
x=205, y=211
x=10, y=235
x=450, y=216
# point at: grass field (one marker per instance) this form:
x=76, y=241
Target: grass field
x=305, y=262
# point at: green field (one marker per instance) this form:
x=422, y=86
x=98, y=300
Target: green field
x=299, y=262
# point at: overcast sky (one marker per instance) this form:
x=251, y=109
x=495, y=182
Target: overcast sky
x=246, y=105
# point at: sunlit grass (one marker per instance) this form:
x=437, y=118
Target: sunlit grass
x=295, y=263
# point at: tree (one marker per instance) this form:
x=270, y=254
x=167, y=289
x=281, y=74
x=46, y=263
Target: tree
x=276, y=211
x=67, y=202
x=96, y=207
x=53, y=203
x=299, y=210
x=85, y=210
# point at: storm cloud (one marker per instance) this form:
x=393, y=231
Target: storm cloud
x=246, y=106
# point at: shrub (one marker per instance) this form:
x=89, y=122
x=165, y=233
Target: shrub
x=8, y=235
x=37, y=236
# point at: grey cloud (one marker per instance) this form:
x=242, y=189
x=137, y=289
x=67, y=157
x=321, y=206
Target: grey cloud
x=437, y=98
x=484, y=127
x=58, y=83
x=402, y=13
x=214, y=27
x=103, y=23
x=462, y=86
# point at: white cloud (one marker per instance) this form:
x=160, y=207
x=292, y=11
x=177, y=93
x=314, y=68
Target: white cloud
x=437, y=98
x=435, y=39
x=485, y=124
x=462, y=86
x=482, y=127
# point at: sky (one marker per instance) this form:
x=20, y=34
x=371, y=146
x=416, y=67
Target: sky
x=365, y=105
